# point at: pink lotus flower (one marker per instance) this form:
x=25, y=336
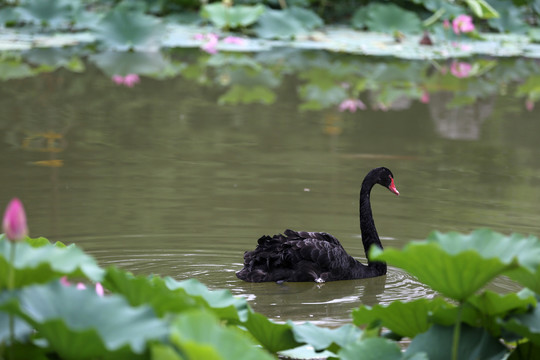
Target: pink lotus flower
x=234, y=40
x=351, y=105
x=425, y=97
x=210, y=46
x=460, y=69
x=462, y=24
x=80, y=286
x=129, y=80
x=529, y=104
x=14, y=222
x=446, y=24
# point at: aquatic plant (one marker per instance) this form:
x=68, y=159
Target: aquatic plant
x=149, y=317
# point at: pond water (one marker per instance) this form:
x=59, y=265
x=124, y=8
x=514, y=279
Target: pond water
x=179, y=175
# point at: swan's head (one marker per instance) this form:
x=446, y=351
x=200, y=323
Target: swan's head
x=385, y=177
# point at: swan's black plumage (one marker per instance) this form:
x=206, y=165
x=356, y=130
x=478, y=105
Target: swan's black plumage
x=318, y=256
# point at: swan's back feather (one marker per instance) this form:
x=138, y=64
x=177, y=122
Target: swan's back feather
x=297, y=256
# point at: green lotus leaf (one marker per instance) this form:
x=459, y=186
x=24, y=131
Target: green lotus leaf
x=221, y=302
x=272, y=336
x=122, y=29
x=79, y=324
x=153, y=291
x=407, y=319
x=474, y=343
x=493, y=304
x=458, y=265
x=279, y=24
x=527, y=325
x=44, y=263
x=525, y=350
x=22, y=330
x=324, y=338
x=482, y=9
x=51, y=13
x=309, y=19
x=371, y=349
x=388, y=18
x=231, y=17
x=199, y=335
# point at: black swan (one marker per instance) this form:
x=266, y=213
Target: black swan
x=318, y=256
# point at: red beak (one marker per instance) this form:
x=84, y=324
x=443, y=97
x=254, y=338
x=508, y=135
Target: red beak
x=392, y=187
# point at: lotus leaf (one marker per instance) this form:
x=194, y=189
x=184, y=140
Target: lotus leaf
x=44, y=263
x=122, y=29
x=482, y=9
x=323, y=338
x=140, y=290
x=407, y=319
x=465, y=263
x=526, y=325
x=309, y=19
x=372, y=349
x=474, y=343
x=221, y=302
x=199, y=335
x=389, y=18
x=79, y=324
x=51, y=13
x=272, y=336
x=279, y=24
x=231, y=17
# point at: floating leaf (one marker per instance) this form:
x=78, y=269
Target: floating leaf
x=122, y=29
x=309, y=19
x=199, y=335
x=388, y=18
x=465, y=263
x=474, y=343
x=52, y=13
x=279, y=24
x=79, y=324
x=231, y=17
x=42, y=264
x=239, y=94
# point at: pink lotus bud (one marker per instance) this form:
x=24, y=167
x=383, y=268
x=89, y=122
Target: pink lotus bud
x=462, y=24
x=99, y=289
x=14, y=223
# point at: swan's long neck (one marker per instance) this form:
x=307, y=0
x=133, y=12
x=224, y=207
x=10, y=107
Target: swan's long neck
x=367, y=225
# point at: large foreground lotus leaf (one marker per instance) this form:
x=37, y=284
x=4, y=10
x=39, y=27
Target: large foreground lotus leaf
x=140, y=290
x=199, y=335
x=458, y=265
x=407, y=319
x=474, y=343
x=373, y=349
x=323, y=338
x=79, y=324
x=44, y=263
x=221, y=302
x=272, y=336
x=122, y=29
